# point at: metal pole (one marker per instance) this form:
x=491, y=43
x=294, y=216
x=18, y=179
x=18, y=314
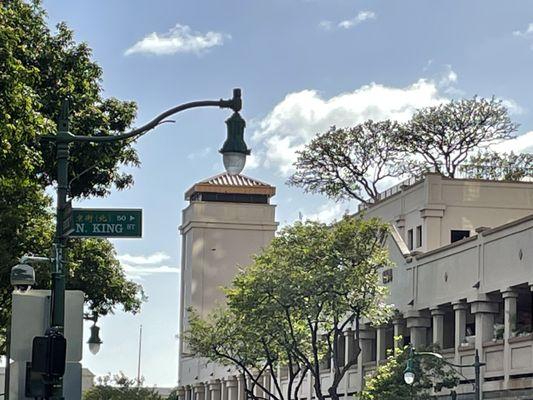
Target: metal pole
x=477, y=367
x=139, y=359
x=57, y=308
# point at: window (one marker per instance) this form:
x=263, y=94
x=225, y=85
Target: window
x=419, y=236
x=410, y=239
x=387, y=276
x=457, y=235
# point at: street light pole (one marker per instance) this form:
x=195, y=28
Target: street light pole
x=409, y=375
x=234, y=152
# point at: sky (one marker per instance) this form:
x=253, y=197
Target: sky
x=303, y=65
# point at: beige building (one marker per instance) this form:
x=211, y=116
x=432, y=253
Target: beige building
x=463, y=251
x=228, y=220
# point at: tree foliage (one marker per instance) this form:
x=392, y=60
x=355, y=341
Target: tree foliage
x=387, y=383
x=350, y=162
x=290, y=307
x=445, y=135
x=120, y=387
x=497, y=166
x=38, y=69
x=355, y=162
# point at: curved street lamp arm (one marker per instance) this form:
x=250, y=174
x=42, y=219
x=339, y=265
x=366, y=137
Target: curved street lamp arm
x=439, y=356
x=64, y=136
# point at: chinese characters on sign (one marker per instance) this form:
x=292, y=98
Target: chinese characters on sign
x=115, y=223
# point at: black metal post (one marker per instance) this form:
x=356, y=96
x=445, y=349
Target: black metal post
x=57, y=306
x=477, y=367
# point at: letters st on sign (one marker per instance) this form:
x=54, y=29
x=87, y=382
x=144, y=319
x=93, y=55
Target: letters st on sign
x=101, y=222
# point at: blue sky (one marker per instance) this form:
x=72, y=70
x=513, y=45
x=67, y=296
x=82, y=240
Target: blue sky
x=303, y=65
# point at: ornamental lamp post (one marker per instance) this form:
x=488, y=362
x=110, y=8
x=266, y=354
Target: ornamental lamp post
x=234, y=152
x=409, y=374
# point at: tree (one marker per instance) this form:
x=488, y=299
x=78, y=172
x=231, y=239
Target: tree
x=350, y=162
x=387, y=383
x=120, y=387
x=38, y=69
x=309, y=285
x=230, y=338
x=445, y=135
x=498, y=166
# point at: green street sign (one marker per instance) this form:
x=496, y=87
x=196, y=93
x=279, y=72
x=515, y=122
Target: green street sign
x=106, y=222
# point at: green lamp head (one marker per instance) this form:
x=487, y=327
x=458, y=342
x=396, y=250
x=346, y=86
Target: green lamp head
x=234, y=149
x=94, y=341
x=409, y=373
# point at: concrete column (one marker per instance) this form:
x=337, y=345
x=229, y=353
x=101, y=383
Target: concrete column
x=510, y=297
x=232, y=388
x=214, y=389
x=241, y=388
x=399, y=331
x=223, y=389
x=437, y=314
x=381, y=345
x=207, y=391
x=483, y=309
x=257, y=389
x=432, y=216
x=459, y=308
x=250, y=386
x=349, y=345
x=199, y=391
x=266, y=382
x=366, y=335
x=417, y=322
x=189, y=393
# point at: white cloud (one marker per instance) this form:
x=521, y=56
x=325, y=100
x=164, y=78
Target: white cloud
x=199, y=154
x=326, y=25
x=528, y=31
x=449, y=77
x=513, y=107
x=526, y=34
x=328, y=212
x=180, y=39
x=362, y=16
x=155, y=258
x=138, y=272
x=301, y=115
x=253, y=161
x=521, y=144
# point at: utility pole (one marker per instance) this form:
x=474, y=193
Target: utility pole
x=139, y=359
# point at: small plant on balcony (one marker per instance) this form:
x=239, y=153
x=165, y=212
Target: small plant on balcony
x=498, y=332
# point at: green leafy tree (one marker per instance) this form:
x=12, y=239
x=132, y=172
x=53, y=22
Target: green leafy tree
x=233, y=339
x=387, y=383
x=38, y=69
x=120, y=387
x=356, y=162
x=498, y=166
x=310, y=284
x=345, y=163
x=444, y=136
